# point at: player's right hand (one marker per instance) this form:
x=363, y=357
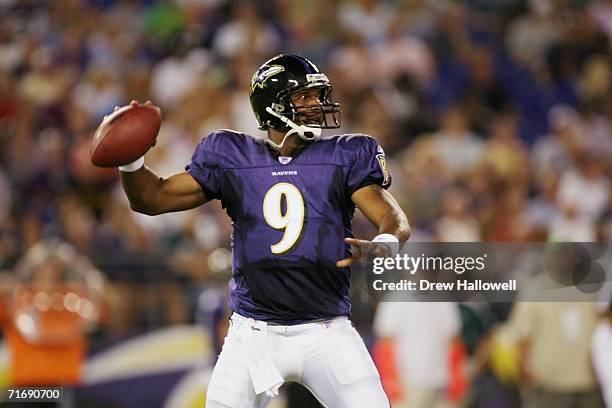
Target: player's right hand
x=134, y=102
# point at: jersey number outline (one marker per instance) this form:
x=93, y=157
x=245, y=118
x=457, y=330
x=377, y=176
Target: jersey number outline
x=292, y=222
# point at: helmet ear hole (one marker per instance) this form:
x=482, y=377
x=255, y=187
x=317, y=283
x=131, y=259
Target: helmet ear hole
x=277, y=107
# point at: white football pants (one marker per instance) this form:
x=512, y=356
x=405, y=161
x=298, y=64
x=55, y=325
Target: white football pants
x=329, y=358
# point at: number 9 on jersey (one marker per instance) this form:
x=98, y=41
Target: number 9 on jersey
x=292, y=221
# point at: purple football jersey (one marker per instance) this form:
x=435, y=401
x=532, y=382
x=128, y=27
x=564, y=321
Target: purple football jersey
x=290, y=217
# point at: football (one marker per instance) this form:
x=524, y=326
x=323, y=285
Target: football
x=125, y=135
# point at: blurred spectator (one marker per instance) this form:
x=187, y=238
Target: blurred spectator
x=367, y=18
x=555, y=357
x=542, y=209
x=401, y=55
x=485, y=96
x=507, y=217
x=54, y=299
x=352, y=61
x=595, y=81
x=505, y=154
x=46, y=83
x=247, y=32
x=555, y=152
x=423, y=360
x=175, y=75
x=458, y=149
x=98, y=93
x=586, y=188
x=583, y=197
x=456, y=224
x=530, y=36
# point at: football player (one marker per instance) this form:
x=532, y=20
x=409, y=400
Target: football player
x=291, y=199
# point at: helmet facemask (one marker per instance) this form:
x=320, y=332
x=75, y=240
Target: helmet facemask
x=307, y=120
x=324, y=114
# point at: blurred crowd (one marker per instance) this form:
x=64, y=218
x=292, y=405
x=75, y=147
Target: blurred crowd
x=495, y=116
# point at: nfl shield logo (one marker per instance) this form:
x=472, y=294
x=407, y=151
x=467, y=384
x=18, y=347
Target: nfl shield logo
x=284, y=159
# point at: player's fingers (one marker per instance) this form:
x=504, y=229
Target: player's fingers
x=343, y=263
x=134, y=102
x=116, y=107
x=355, y=242
x=150, y=104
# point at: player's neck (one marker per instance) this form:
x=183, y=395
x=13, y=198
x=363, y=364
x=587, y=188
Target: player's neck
x=292, y=144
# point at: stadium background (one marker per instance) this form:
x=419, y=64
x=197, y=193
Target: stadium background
x=495, y=117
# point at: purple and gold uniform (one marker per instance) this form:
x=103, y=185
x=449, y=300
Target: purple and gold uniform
x=290, y=217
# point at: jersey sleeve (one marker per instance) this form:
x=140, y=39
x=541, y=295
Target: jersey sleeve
x=368, y=167
x=204, y=166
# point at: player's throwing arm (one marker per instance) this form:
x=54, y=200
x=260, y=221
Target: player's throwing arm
x=122, y=139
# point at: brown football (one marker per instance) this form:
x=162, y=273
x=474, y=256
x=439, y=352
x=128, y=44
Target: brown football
x=125, y=135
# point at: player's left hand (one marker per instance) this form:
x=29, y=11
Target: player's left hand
x=375, y=249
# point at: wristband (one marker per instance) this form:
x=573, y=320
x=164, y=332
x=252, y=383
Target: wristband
x=133, y=166
x=385, y=238
x=390, y=241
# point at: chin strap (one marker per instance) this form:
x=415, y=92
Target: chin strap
x=300, y=130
